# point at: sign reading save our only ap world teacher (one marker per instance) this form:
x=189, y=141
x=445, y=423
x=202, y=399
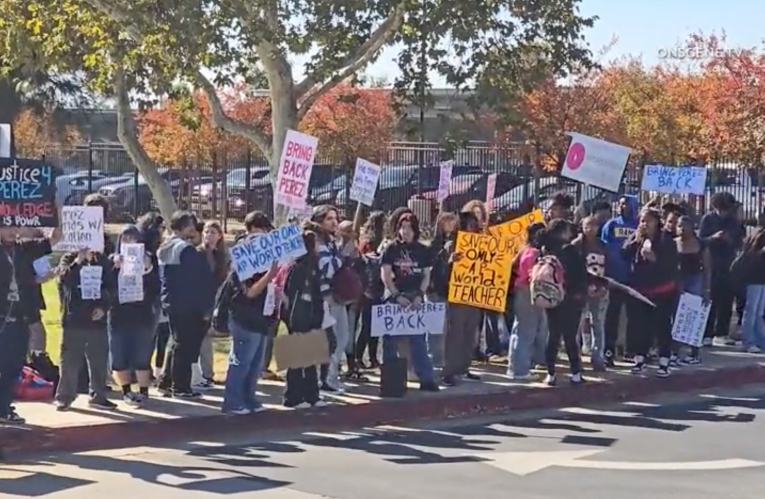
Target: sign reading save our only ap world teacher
x=27, y=194
x=295, y=169
x=595, y=162
x=258, y=252
x=674, y=179
x=481, y=276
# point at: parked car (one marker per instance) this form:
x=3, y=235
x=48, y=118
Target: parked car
x=126, y=197
x=235, y=182
x=463, y=188
x=327, y=193
x=71, y=189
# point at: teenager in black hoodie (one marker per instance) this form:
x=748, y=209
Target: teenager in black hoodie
x=563, y=320
x=654, y=272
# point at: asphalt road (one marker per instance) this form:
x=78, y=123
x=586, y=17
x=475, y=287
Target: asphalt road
x=709, y=446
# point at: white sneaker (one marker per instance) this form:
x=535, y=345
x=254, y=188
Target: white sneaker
x=258, y=409
x=303, y=405
x=321, y=403
x=523, y=377
x=708, y=342
x=754, y=349
x=240, y=412
x=204, y=385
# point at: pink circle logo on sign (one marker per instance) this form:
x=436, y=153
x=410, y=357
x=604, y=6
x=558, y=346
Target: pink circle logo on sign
x=575, y=156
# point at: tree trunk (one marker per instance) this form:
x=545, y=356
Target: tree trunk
x=284, y=117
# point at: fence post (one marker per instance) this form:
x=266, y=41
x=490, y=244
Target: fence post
x=224, y=191
x=247, y=180
x=90, y=167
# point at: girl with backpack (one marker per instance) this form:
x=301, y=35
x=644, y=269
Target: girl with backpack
x=654, y=272
x=559, y=283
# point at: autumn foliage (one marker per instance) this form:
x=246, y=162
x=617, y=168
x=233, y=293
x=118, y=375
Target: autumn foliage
x=36, y=132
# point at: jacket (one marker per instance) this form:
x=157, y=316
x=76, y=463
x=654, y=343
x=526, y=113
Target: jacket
x=140, y=312
x=25, y=251
x=74, y=310
x=722, y=251
x=614, y=234
x=576, y=279
x=245, y=311
x=304, y=303
x=187, y=283
x=653, y=278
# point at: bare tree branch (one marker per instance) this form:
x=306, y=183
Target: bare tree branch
x=221, y=120
x=310, y=89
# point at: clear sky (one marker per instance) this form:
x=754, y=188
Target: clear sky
x=644, y=27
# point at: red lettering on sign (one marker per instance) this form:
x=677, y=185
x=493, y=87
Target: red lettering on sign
x=297, y=171
x=292, y=187
x=44, y=209
x=299, y=151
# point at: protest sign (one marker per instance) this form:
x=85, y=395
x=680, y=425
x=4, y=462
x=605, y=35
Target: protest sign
x=674, y=179
x=295, y=169
x=130, y=278
x=690, y=320
x=91, y=279
x=491, y=188
x=82, y=227
x=393, y=320
x=27, y=194
x=444, y=180
x=480, y=278
x=6, y=140
x=595, y=162
x=514, y=230
x=42, y=267
x=364, y=184
x=255, y=254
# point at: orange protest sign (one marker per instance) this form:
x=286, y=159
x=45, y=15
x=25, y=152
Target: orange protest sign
x=515, y=230
x=481, y=276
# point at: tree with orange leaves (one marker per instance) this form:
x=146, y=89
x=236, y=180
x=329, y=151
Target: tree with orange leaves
x=352, y=122
x=36, y=132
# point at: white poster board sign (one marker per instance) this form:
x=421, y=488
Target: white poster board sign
x=491, y=188
x=255, y=254
x=5, y=140
x=365, y=179
x=674, y=179
x=130, y=278
x=393, y=320
x=91, y=279
x=82, y=227
x=295, y=169
x=445, y=180
x=690, y=320
x=595, y=162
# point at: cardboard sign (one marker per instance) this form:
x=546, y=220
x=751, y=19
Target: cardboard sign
x=444, y=180
x=595, y=162
x=295, y=169
x=482, y=276
x=674, y=179
x=27, y=194
x=299, y=350
x=514, y=231
x=365, y=179
x=690, y=320
x=82, y=227
x=258, y=252
x=393, y=320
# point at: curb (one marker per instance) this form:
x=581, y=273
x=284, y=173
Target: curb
x=25, y=441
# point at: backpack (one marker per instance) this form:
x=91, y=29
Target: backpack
x=223, y=305
x=546, y=282
x=373, y=285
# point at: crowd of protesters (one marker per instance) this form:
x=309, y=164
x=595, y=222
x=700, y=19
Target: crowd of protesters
x=191, y=294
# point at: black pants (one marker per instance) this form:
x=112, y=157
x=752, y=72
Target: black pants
x=162, y=338
x=651, y=326
x=365, y=341
x=14, y=340
x=187, y=330
x=616, y=301
x=493, y=345
x=302, y=386
x=721, y=311
x=563, y=322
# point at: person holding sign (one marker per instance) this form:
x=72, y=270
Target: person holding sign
x=406, y=265
x=18, y=291
x=654, y=264
x=131, y=316
x=87, y=289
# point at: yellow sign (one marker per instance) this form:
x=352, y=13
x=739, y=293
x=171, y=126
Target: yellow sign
x=516, y=228
x=480, y=278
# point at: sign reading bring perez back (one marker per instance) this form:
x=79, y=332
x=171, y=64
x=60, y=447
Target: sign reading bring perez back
x=394, y=320
x=674, y=179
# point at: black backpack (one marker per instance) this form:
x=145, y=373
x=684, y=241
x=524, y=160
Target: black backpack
x=222, y=308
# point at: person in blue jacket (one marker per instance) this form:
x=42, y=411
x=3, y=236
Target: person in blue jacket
x=614, y=233
x=187, y=290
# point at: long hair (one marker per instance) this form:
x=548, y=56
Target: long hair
x=150, y=225
x=472, y=205
x=441, y=236
x=319, y=214
x=755, y=242
x=372, y=232
x=391, y=225
x=413, y=221
x=219, y=253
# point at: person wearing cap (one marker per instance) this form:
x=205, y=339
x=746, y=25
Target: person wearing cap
x=187, y=285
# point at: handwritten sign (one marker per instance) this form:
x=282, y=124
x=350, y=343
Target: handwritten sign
x=130, y=278
x=27, y=194
x=82, y=227
x=491, y=188
x=690, y=320
x=295, y=169
x=365, y=179
x=514, y=231
x=674, y=179
x=445, y=180
x=91, y=279
x=255, y=254
x=595, y=162
x=481, y=277
x=393, y=320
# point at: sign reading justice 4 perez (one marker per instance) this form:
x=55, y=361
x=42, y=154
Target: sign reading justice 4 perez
x=481, y=276
x=27, y=194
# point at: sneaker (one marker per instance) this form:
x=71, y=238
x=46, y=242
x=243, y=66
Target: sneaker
x=708, y=342
x=450, y=380
x=550, y=380
x=240, y=412
x=102, y=403
x=186, y=395
x=133, y=399
x=609, y=360
x=754, y=349
x=673, y=360
x=523, y=377
x=320, y=403
x=206, y=384
x=576, y=379
x=302, y=405
x=258, y=408
x=472, y=376
x=639, y=366
x=431, y=386
x=12, y=417
x=729, y=342
x=662, y=372
x=690, y=360
x=61, y=406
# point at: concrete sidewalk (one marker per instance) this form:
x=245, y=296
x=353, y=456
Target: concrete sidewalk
x=84, y=428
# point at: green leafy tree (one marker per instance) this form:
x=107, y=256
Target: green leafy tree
x=141, y=49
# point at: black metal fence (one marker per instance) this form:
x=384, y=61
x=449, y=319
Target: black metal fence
x=229, y=185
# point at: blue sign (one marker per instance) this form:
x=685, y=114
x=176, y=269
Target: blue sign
x=27, y=194
x=258, y=252
x=674, y=179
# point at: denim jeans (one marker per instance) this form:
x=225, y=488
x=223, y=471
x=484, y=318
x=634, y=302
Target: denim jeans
x=245, y=364
x=418, y=352
x=753, y=325
x=436, y=341
x=597, y=307
x=342, y=337
x=529, y=333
